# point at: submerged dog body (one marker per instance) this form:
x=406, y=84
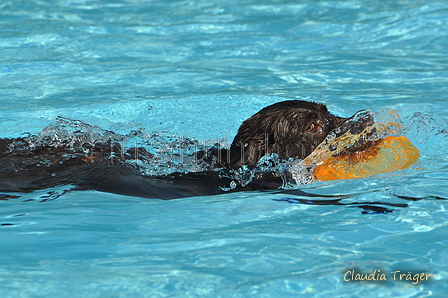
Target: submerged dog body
x=291, y=129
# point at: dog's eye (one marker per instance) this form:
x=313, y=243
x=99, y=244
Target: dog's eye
x=313, y=127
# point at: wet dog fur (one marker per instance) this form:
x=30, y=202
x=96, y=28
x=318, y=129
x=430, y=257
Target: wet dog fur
x=291, y=129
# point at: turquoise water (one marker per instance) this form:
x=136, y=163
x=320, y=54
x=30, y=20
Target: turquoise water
x=197, y=69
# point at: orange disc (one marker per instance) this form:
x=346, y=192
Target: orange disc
x=391, y=154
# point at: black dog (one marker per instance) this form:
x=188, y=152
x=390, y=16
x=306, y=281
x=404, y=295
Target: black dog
x=291, y=129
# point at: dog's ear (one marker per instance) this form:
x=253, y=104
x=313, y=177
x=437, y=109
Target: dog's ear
x=248, y=144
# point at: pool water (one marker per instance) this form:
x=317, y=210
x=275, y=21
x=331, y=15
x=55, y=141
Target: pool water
x=198, y=69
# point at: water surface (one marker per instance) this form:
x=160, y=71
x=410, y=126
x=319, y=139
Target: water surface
x=197, y=69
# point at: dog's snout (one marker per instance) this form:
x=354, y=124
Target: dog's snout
x=356, y=124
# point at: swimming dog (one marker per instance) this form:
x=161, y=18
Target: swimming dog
x=290, y=129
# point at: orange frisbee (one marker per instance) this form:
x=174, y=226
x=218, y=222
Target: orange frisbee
x=391, y=154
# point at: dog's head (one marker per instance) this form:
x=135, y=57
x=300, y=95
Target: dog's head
x=291, y=129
